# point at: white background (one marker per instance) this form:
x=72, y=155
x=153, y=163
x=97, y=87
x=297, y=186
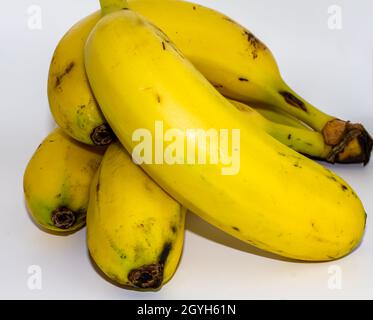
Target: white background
x=331, y=68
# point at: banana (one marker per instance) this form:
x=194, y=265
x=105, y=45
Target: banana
x=56, y=182
x=276, y=199
x=135, y=230
x=72, y=104
x=76, y=111
x=70, y=114
x=304, y=141
x=243, y=68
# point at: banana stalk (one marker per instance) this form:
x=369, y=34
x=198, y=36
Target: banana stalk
x=304, y=141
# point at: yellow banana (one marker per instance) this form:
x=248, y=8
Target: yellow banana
x=76, y=111
x=67, y=111
x=72, y=104
x=57, y=180
x=243, y=68
x=135, y=230
x=278, y=200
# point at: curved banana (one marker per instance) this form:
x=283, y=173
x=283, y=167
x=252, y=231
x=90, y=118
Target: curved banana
x=72, y=104
x=135, y=230
x=56, y=182
x=75, y=108
x=308, y=143
x=243, y=68
x=270, y=196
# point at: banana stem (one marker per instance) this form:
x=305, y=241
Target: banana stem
x=108, y=6
x=300, y=139
x=289, y=101
x=304, y=141
x=350, y=141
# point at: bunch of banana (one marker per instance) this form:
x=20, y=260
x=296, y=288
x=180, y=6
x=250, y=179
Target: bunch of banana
x=137, y=246
x=135, y=63
x=227, y=54
x=132, y=68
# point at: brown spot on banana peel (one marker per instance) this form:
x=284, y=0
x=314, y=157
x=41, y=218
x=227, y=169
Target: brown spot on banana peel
x=255, y=44
x=218, y=86
x=350, y=143
x=102, y=135
x=165, y=253
x=147, y=277
x=163, y=45
x=159, y=99
x=293, y=100
x=64, y=73
x=63, y=218
x=151, y=276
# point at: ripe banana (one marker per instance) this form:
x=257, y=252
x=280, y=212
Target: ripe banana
x=243, y=68
x=72, y=104
x=135, y=230
x=70, y=114
x=279, y=200
x=57, y=180
x=76, y=111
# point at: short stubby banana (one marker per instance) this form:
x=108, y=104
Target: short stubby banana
x=267, y=195
x=72, y=104
x=135, y=230
x=243, y=68
x=57, y=181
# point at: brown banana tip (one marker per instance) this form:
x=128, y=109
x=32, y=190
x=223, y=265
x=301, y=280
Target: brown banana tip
x=147, y=277
x=63, y=218
x=102, y=135
x=350, y=143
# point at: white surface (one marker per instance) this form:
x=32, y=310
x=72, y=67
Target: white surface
x=333, y=69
